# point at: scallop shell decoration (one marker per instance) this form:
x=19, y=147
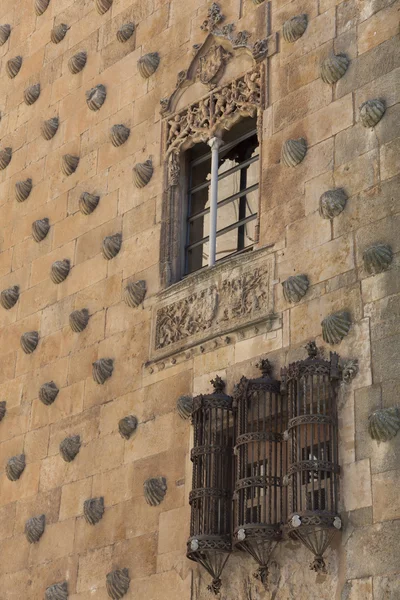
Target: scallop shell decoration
x=41, y=6
x=70, y=447
x=334, y=67
x=69, y=164
x=13, y=66
x=5, y=158
x=119, y=134
x=5, y=31
x=48, y=393
x=384, y=423
x=117, y=583
x=58, y=33
x=332, y=203
x=9, y=297
x=294, y=151
x=93, y=510
x=60, y=270
x=258, y=2
x=377, y=258
x=102, y=370
x=155, y=490
x=3, y=409
x=135, y=293
x=371, y=112
x=335, y=327
x=125, y=32
x=77, y=62
x=31, y=94
x=184, y=406
x=23, y=189
x=111, y=246
x=96, y=96
x=15, y=467
x=148, y=64
x=142, y=173
x=295, y=287
x=29, y=341
x=88, y=203
x=78, y=320
x=34, y=528
x=294, y=28
x=103, y=6
x=49, y=128
x=40, y=229
x=127, y=426
x=57, y=591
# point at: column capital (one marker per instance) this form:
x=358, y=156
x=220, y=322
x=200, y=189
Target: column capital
x=215, y=142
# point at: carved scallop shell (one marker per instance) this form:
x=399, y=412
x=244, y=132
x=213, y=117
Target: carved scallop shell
x=103, y=6
x=258, y=2
x=48, y=393
x=335, y=327
x=148, y=64
x=184, y=406
x=384, y=423
x=77, y=62
x=79, y=319
x=117, y=583
x=135, y=293
x=377, y=258
x=155, y=489
x=49, y=128
x=15, y=467
x=23, y=189
x=69, y=164
x=29, y=341
x=5, y=31
x=95, y=97
x=142, y=173
x=295, y=287
x=70, y=447
x=334, y=67
x=111, y=246
x=58, y=33
x=119, y=134
x=40, y=229
x=57, y=591
x=127, y=426
x=294, y=28
x=9, y=297
x=371, y=112
x=93, y=510
x=5, y=158
x=88, y=203
x=294, y=151
x=125, y=32
x=41, y=6
x=332, y=203
x=31, y=94
x=102, y=370
x=3, y=409
x=34, y=528
x=60, y=270
x=13, y=66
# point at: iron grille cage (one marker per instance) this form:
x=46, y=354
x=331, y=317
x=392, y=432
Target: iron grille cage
x=313, y=474
x=210, y=540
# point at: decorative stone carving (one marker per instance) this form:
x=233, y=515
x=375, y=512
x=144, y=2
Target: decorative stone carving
x=384, y=423
x=5, y=158
x=15, y=467
x=214, y=18
x=96, y=96
x=103, y=6
x=334, y=67
x=70, y=447
x=293, y=152
x=57, y=591
x=212, y=63
x=13, y=66
x=117, y=583
x=34, y=528
x=29, y=341
x=155, y=489
x=148, y=64
x=350, y=370
x=48, y=393
x=377, y=258
x=49, y=128
x=127, y=426
x=23, y=189
x=78, y=320
x=135, y=293
x=31, y=94
x=69, y=164
x=335, y=327
x=184, y=406
x=3, y=409
x=119, y=134
x=125, y=32
x=60, y=270
x=9, y=297
x=111, y=246
x=258, y=2
x=294, y=28
x=174, y=169
x=371, y=112
x=295, y=287
x=102, y=370
x=58, y=33
x=142, y=173
x=88, y=203
x=41, y=6
x=40, y=229
x=5, y=31
x=332, y=203
x=77, y=62
x=93, y=510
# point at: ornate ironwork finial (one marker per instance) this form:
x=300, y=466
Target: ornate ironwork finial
x=215, y=586
x=265, y=367
x=218, y=384
x=312, y=349
x=262, y=575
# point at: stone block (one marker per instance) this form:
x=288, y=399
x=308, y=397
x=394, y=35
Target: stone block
x=360, y=589
x=14, y=555
x=297, y=104
x=110, y=529
x=171, y=536
x=69, y=402
x=36, y=444
x=47, y=503
x=386, y=503
x=26, y=486
x=384, y=316
x=373, y=550
x=358, y=174
x=383, y=231
x=160, y=398
x=92, y=569
x=56, y=542
x=386, y=588
x=7, y=521
x=388, y=155
x=114, y=485
x=377, y=29
x=73, y=496
x=138, y=554
x=384, y=86
x=357, y=485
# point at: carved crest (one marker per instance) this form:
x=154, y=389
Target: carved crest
x=212, y=64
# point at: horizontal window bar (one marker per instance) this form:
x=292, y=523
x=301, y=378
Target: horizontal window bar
x=221, y=176
x=224, y=202
x=223, y=231
x=245, y=136
x=242, y=251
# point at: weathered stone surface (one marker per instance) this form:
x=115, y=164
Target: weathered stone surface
x=378, y=548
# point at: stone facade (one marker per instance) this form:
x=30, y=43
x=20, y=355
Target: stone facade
x=172, y=337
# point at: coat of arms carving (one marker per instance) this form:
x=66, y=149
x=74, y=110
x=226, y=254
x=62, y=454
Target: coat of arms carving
x=212, y=64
